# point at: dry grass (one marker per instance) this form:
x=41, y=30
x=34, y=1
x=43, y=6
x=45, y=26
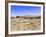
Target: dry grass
x=20, y=24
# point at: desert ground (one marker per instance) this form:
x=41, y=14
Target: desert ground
x=22, y=24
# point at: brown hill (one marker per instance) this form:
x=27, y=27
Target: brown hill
x=29, y=17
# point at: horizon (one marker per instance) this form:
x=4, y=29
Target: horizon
x=25, y=10
x=27, y=15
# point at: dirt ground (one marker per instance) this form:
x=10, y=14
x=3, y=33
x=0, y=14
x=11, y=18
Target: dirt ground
x=21, y=24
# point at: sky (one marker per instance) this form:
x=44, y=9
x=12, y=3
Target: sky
x=25, y=10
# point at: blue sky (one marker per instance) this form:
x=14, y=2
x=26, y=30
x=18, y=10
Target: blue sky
x=25, y=10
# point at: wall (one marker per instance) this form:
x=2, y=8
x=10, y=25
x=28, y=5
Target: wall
x=2, y=19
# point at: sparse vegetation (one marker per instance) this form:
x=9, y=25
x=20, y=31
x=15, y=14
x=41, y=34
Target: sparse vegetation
x=20, y=24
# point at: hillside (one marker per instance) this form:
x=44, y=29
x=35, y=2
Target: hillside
x=23, y=23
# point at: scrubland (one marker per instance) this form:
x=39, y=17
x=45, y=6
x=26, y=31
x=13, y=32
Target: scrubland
x=21, y=24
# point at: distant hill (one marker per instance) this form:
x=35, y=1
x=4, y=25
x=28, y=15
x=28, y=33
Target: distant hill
x=27, y=17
